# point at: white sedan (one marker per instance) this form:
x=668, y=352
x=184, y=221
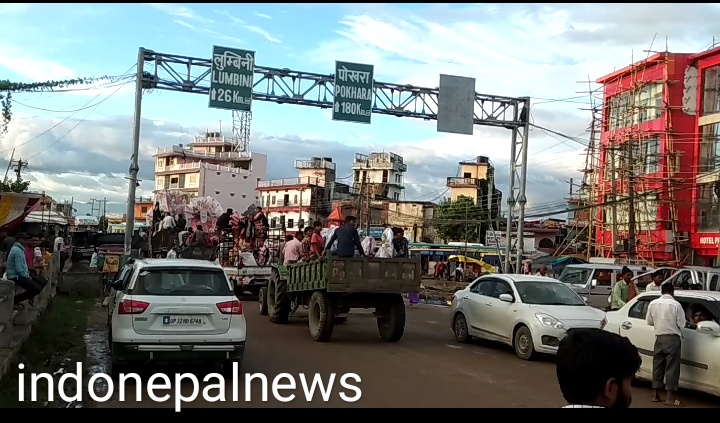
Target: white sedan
x=700, y=368
x=530, y=313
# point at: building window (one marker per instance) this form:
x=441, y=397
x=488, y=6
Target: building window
x=174, y=181
x=272, y=200
x=651, y=155
x=648, y=103
x=192, y=179
x=290, y=223
x=143, y=209
x=711, y=85
x=273, y=222
x=643, y=105
x=710, y=148
x=295, y=199
x=708, y=212
x=160, y=163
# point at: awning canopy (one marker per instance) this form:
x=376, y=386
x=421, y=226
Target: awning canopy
x=336, y=215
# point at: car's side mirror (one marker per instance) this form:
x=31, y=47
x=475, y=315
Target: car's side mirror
x=709, y=327
x=506, y=298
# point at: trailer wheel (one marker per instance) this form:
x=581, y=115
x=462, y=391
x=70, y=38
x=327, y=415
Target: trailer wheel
x=392, y=323
x=263, y=301
x=278, y=302
x=322, y=317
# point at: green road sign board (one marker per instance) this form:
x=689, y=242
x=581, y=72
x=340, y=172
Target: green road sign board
x=353, y=92
x=231, y=78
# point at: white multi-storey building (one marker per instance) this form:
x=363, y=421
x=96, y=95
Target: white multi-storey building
x=379, y=175
x=294, y=203
x=210, y=166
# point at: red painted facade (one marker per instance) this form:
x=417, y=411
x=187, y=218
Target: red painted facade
x=673, y=128
x=704, y=244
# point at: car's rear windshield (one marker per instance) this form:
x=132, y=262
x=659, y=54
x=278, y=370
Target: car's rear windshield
x=181, y=282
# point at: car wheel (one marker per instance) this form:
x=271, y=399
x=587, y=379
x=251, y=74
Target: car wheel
x=460, y=327
x=523, y=343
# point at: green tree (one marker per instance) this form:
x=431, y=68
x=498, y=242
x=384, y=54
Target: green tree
x=464, y=220
x=16, y=185
x=7, y=88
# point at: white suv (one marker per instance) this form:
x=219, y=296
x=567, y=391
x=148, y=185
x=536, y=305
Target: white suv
x=175, y=311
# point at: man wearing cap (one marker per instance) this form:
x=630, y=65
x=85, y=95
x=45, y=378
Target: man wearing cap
x=18, y=272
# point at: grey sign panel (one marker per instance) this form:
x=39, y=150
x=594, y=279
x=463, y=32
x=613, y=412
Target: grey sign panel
x=456, y=105
x=231, y=78
x=352, y=101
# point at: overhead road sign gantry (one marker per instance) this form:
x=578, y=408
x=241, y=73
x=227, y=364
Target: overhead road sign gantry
x=231, y=78
x=353, y=94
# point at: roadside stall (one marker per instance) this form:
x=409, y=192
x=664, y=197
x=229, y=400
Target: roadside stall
x=472, y=267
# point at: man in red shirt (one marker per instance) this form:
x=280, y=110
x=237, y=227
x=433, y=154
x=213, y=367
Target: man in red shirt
x=317, y=244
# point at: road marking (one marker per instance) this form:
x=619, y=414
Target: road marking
x=431, y=322
x=457, y=347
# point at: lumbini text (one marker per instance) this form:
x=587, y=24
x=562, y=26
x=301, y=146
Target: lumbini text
x=284, y=387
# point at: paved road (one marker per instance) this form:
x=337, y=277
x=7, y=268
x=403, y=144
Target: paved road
x=427, y=368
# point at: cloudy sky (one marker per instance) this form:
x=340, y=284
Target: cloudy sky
x=78, y=143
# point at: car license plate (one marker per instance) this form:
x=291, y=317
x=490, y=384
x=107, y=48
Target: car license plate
x=183, y=321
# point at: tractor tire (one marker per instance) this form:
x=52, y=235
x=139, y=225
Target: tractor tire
x=322, y=317
x=278, y=301
x=263, y=301
x=392, y=325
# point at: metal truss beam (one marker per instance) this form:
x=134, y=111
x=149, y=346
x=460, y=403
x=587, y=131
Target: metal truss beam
x=285, y=86
x=173, y=72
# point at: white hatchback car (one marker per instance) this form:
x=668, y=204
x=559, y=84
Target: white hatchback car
x=700, y=368
x=174, y=311
x=530, y=313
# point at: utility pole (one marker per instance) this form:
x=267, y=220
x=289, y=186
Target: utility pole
x=12, y=156
x=300, y=206
x=467, y=206
x=20, y=165
x=367, y=205
x=134, y=168
x=613, y=192
x=92, y=206
x=632, y=252
x=361, y=202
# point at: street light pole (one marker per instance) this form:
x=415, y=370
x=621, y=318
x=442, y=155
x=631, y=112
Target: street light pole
x=134, y=167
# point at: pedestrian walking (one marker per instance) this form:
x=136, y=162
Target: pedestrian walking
x=667, y=317
x=595, y=369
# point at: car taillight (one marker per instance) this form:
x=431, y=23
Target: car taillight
x=603, y=323
x=132, y=307
x=230, y=307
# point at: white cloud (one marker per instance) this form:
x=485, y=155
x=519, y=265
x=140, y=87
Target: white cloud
x=263, y=15
x=179, y=11
x=252, y=28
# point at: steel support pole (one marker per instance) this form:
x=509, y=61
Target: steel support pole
x=507, y=268
x=134, y=167
x=522, y=199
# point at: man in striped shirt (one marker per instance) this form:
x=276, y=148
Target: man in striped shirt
x=595, y=369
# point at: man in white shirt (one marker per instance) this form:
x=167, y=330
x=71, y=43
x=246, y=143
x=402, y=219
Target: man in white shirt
x=542, y=271
x=667, y=316
x=168, y=222
x=657, y=280
x=172, y=254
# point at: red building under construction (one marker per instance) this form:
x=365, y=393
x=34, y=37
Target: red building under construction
x=647, y=161
x=659, y=154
